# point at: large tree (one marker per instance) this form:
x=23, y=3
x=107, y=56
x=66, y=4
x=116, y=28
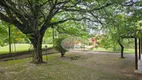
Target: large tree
x=34, y=17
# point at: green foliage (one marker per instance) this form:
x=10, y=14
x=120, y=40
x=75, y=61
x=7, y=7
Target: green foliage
x=16, y=35
x=73, y=28
x=106, y=42
x=121, y=22
x=58, y=46
x=3, y=33
x=48, y=36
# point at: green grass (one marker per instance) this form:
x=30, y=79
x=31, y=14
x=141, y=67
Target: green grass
x=19, y=47
x=54, y=70
x=25, y=47
x=131, y=51
x=57, y=68
x=128, y=51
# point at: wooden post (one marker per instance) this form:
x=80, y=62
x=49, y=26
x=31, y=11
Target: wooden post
x=53, y=34
x=139, y=48
x=136, y=56
x=9, y=34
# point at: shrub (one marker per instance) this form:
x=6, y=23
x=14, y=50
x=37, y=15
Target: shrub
x=58, y=47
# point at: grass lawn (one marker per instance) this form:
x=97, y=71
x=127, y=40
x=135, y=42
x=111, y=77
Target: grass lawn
x=19, y=47
x=85, y=67
x=128, y=51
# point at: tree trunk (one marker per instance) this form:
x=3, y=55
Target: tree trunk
x=62, y=54
x=136, y=55
x=36, y=41
x=122, y=49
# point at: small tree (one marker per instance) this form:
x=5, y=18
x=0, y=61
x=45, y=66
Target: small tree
x=58, y=46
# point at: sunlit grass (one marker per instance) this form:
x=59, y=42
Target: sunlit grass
x=19, y=47
x=26, y=47
x=129, y=51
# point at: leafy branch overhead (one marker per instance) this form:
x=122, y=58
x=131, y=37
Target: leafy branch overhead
x=25, y=13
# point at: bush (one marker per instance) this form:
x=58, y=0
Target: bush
x=58, y=47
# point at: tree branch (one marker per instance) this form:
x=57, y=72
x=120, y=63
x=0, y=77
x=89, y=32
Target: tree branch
x=130, y=3
x=11, y=21
x=44, y=3
x=97, y=17
x=85, y=10
x=4, y=18
x=74, y=19
x=55, y=7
